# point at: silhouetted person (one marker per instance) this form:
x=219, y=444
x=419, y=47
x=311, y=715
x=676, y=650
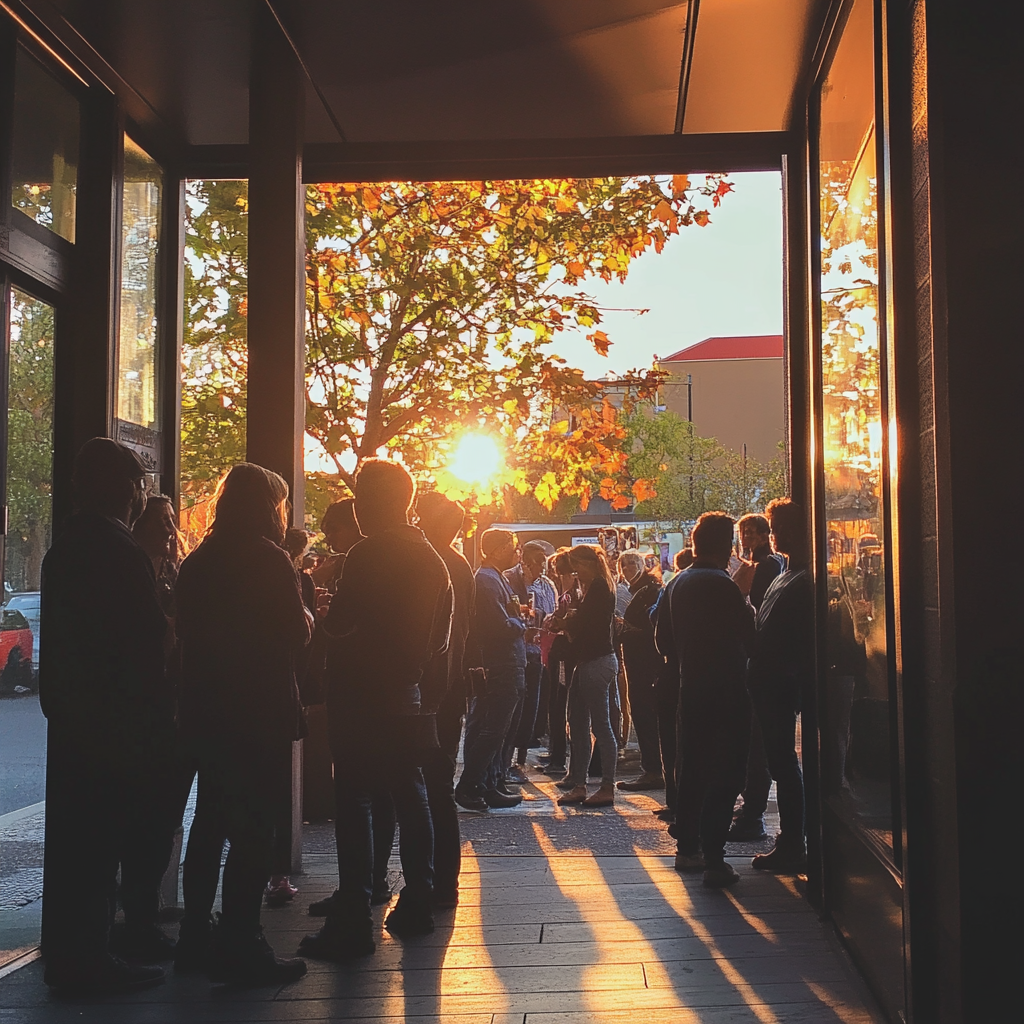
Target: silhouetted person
x=781, y=668
x=754, y=577
x=243, y=629
x=712, y=626
x=560, y=662
x=391, y=614
x=499, y=640
x=110, y=730
x=444, y=694
x=643, y=663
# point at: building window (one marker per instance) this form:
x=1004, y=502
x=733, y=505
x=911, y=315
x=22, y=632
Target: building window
x=137, y=402
x=45, y=148
x=857, y=729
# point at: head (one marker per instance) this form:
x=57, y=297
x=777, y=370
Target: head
x=500, y=549
x=156, y=530
x=589, y=563
x=712, y=538
x=384, y=496
x=789, y=528
x=560, y=568
x=534, y=560
x=440, y=518
x=683, y=559
x=296, y=543
x=339, y=525
x=110, y=480
x=631, y=565
x=253, y=501
x=754, y=532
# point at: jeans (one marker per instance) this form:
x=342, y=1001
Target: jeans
x=590, y=708
x=776, y=704
x=557, y=732
x=490, y=718
x=640, y=679
x=439, y=776
x=531, y=704
x=712, y=760
x=758, y=782
x=666, y=696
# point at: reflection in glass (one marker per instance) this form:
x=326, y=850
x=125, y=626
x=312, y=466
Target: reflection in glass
x=45, y=148
x=856, y=745
x=140, y=245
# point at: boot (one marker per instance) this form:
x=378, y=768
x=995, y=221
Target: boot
x=244, y=957
x=576, y=795
x=100, y=975
x=192, y=952
x=409, y=919
x=604, y=797
x=340, y=939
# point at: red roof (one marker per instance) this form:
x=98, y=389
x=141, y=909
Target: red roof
x=760, y=346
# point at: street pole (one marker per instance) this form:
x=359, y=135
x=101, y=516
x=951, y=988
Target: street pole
x=689, y=419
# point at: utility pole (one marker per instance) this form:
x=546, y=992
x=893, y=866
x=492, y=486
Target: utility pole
x=689, y=419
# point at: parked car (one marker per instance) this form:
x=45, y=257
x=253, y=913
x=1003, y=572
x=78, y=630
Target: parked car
x=27, y=603
x=16, y=651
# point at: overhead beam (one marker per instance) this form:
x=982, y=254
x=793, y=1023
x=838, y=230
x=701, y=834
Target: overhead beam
x=513, y=158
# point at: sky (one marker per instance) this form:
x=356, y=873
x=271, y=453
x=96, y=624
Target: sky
x=724, y=279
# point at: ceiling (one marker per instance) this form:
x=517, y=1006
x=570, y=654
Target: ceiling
x=398, y=71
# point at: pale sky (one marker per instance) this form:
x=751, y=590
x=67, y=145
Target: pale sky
x=724, y=279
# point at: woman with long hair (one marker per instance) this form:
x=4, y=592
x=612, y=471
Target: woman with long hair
x=591, y=628
x=242, y=627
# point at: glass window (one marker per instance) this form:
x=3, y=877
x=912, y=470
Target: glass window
x=45, y=148
x=140, y=250
x=856, y=744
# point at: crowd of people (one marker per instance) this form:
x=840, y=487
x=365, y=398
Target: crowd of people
x=161, y=669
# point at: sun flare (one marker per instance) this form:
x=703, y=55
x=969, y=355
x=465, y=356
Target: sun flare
x=477, y=459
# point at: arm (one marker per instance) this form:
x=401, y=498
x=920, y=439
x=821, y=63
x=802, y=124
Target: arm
x=343, y=614
x=664, y=639
x=492, y=618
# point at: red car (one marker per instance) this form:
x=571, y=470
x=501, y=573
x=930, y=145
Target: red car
x=15, y=650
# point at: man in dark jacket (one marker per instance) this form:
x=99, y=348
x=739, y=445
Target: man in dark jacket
x=754, y=576
x=110, y=731
x=712, y=628
x=391, y=614
x=444, y=694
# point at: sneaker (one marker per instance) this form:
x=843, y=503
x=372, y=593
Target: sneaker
x=470, y=801
x=720, y=875
x=105, y=974
x=648, y=780
x=321, y=908
x=495, y=798
x=381, y=894
x=782, y=860
x=689, y=862
x=147, y=945
x=409, y=919
x=246, y=958
x=554, y=769
x=340, y=942
x=576, y=795
x=603, y=797
x=747, y=830
x=192, y=951
x=516, y=776
x=566, y=784
x=279, y=891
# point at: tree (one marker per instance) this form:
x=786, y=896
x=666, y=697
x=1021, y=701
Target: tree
x=433, y=306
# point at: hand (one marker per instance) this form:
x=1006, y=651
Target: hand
x=323, y=603
x=743, y=577
x=512, y=607
x=532, y=636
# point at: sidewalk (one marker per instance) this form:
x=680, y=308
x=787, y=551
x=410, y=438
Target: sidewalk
x=567, y=917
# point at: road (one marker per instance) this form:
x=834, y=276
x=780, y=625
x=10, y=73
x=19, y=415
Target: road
x=22, y=753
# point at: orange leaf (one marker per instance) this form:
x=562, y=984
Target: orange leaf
x=680, y=183
x=600, y=341
x=702, y=218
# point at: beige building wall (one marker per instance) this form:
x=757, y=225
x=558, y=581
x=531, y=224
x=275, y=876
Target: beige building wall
x=735, y=400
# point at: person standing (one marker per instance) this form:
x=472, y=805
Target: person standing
x=560, y=661
x=109, y=730
x=642, y=663
x=444, y=694
x=390, y=616
x=591, y=629
x=781, y=668
x=754, y=577
x=712, y=626
x=499, y=641
x=243, y=630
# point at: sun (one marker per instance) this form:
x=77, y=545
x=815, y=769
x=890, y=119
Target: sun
x=477, y=459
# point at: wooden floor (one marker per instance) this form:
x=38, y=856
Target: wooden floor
x=554, y=938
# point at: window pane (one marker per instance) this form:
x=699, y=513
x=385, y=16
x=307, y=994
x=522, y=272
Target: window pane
x=22, y=726
x=45, y=148
x=857, y=740
x=140, y=237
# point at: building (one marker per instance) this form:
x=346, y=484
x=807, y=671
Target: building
x=733, y=389
x=902, y=354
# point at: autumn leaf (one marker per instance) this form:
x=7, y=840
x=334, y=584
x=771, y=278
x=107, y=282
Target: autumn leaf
x=680, y=184
x=600, y=341
x=702, y=218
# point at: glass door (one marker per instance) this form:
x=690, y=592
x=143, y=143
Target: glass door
x=27, y=483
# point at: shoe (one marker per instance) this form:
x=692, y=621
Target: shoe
x=246, y=958
x=782, y=860
x=445, y=899
x=409, y=919
x=515, y=776
x=689, y=862
x=501, y=786
x=554, y=769
x=321, y=908
x=192, y=951
x=576, y=795
x=646, y=781
x=747, y=830
x=340, y=942
x=470, y=801
x=279, y=891
x=103, y=975
x=604, y=797
x=719, y=876
x=495, y=798
x=665, y=814
x=141, y=945
x=566, y=784
x=381, y=894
